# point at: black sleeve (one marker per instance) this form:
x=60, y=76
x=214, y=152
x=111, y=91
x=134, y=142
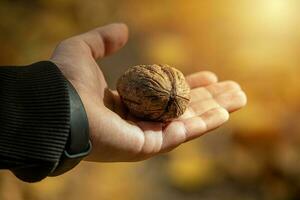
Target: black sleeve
x=35, y=119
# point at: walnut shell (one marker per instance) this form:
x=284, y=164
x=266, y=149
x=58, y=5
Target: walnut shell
x=154, y=92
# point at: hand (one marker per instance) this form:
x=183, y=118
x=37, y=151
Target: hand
x=115, y=134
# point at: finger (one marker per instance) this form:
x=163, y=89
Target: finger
x=200, y=79
x=105, y=40
x=200, y=107
x=232, y=101
x=210, y=91
x=184, y=130
x=208, y=121
x=221, y=87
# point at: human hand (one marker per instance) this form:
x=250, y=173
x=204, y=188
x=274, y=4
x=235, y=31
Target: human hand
x=114, y=133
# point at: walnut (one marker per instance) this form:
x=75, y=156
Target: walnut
x=154, y=92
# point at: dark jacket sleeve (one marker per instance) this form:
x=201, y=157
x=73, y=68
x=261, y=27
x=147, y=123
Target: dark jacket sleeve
x=34, y=119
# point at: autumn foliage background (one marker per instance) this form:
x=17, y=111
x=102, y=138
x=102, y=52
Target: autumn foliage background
x=255, y=42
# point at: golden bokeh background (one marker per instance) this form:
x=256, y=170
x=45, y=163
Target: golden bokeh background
x=255, y=42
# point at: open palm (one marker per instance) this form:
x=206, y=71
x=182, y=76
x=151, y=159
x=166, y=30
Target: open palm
x=115, y=134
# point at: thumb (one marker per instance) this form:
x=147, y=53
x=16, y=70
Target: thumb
x=99, y=42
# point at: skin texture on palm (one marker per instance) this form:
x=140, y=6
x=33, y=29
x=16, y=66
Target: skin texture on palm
x=115, y=134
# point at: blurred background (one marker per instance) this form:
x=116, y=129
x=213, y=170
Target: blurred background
x=255, y=42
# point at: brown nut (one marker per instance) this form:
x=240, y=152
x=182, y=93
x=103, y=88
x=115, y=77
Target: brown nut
x=154, y=92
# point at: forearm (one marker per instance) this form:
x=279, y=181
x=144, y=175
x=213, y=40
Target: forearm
x=35, y=119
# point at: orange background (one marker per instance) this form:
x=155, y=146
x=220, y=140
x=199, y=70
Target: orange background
x=255, y=42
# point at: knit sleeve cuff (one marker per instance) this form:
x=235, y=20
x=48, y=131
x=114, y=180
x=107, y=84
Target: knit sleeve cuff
x=34, y=119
